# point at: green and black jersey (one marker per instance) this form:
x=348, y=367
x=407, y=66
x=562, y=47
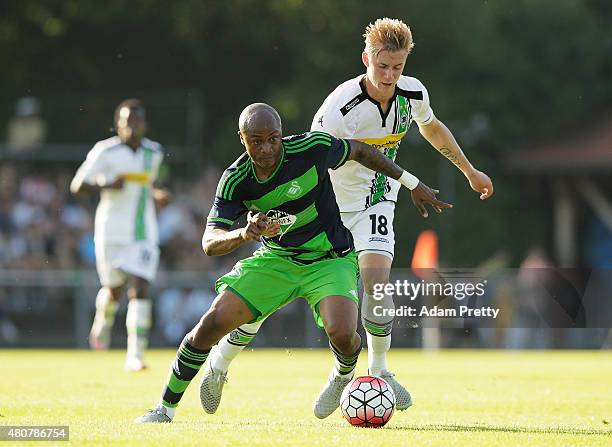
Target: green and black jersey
x=299, y=195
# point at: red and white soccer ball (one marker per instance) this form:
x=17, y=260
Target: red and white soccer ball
x=367, y=401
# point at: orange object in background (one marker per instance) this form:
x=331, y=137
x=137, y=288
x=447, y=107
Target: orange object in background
x=425, y=257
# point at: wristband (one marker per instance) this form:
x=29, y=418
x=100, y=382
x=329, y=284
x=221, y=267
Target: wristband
x=408, y=180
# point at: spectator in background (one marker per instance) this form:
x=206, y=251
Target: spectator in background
x=178, y=310
x=532, y=302
x=498, y=294
x=26, y=130
x=28, y=198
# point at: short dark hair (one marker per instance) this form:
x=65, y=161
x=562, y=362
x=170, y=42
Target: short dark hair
x=132, y=104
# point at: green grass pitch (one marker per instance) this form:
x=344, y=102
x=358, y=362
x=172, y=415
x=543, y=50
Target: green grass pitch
x=488, y=398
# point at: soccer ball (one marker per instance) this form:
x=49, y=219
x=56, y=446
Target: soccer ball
x=367, y=401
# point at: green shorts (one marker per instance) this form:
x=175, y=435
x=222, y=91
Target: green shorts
x=266, y=282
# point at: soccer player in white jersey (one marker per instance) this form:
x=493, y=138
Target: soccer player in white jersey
x=123, y=170
x=376, y=108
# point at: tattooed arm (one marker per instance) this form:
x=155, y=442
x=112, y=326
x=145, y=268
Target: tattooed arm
x=443, y=140
x=374, y=159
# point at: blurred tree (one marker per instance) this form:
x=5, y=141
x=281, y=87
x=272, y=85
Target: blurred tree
x=500, y=73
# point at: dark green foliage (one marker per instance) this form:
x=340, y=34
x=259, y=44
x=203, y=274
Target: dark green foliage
x=528, y=69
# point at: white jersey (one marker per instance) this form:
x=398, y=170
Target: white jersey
x=123, y=215
x=349, y=112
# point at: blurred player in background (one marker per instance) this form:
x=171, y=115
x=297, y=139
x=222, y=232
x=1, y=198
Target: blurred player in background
x=283, y=184
x=123, y=169
x=376, y=108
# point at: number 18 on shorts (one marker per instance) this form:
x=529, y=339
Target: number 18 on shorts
x=372, y=229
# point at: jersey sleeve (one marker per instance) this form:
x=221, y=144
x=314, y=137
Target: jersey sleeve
x=226, y=208
x=338, y=153
x=329, y=119
x=422, y=112
x=92, y=168
x=224, y=213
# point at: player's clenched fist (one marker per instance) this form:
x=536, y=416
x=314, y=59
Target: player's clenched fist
x=272, y=230
x=259, y=225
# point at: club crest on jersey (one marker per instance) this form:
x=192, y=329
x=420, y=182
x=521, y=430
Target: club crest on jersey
x=294, y=189
x=234, y=336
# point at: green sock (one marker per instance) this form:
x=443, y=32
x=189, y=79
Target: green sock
x=184, y=368
x=345, y=364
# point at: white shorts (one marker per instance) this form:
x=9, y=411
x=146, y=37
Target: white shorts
x=115, y=261
x=372, y=229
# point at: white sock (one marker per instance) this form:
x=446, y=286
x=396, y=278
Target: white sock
x=106, y=309
x=138, y=324
x=377, y=353
x=232, y=344
x=378, y=344
x=218, y=359
x=170, y=411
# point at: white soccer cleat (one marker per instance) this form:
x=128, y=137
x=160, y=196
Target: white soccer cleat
x=329, y=398
x=134, y=364
x=403, y=400
x=211, y=388
x=157, y=415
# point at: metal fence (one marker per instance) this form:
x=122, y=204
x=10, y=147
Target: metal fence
x=55, y=308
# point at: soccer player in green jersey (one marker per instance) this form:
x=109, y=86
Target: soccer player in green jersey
x=284, y=186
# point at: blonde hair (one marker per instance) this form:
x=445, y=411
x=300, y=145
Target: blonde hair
x=388, y=34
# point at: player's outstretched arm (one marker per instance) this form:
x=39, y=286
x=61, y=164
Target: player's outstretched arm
x=78, y=186
x=441, y=138
x=218, y=241
x=374, y=159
